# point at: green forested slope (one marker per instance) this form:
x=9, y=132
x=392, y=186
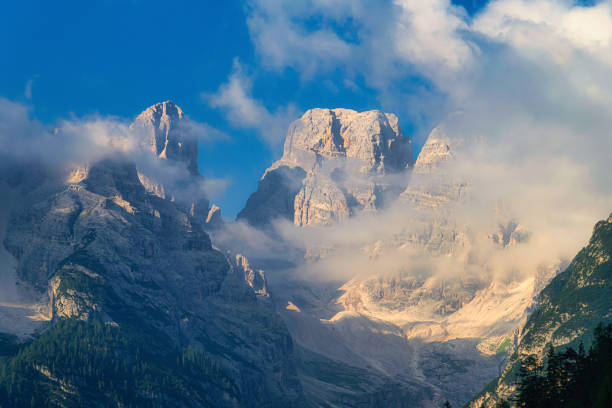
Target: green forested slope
x=568, y=311
x=79, y=363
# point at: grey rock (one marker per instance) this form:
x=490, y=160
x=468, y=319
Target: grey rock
x=104, y=249
x=432, y=184
x=343, y=159
x=320, y=202
x=274, y=197
x=166, y=135
x=164, y=130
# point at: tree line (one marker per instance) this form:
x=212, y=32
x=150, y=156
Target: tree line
x=567, y=378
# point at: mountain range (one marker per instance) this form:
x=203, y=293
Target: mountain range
x=374, y=289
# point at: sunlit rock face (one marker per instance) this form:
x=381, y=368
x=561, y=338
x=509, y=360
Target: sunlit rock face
x=373, y=137
x=164, y=130
x=337, y=162
x=166, y=135
x=432, y=184
x=213, y=219
x=254, y=278
x=454, y=293
x=423, y=273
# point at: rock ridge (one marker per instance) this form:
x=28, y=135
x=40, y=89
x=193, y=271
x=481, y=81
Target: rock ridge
x=166, y=136
x=335, y=163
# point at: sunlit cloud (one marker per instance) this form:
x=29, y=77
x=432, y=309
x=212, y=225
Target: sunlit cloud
x=244, y=111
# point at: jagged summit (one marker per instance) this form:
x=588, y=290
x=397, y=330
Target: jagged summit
x=164, y=130
x=435, y=151
x=432, y=184
x=166, y=134
x=373, y=137
x=334, y=165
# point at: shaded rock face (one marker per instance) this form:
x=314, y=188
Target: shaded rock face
x=342, y=158
x=105, y=250
x=166, y=136
x=274, y=197
x=509, y=233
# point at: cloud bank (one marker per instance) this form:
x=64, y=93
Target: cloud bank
x=528, y=107
x=80, y=141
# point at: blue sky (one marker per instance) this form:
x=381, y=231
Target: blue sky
x=118, y=57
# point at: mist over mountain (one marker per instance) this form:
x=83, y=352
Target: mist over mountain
x=569, y=309
x=360, y=205
x=444, y=273
x=415, y=279
x=95, y=245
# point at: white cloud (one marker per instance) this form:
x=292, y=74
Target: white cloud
x=380, y=46
x=242, y=110
x=202, y=131
x=532, y=80
x=282, y=41
x=428, y=34
x=555, y=28
x=214, y=188
x=27, y=92
x=380, y=42
x=81, y=141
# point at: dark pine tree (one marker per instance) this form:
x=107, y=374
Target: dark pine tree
x=569, y=379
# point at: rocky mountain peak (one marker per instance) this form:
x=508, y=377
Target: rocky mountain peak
x=372, y=137
x=433, y=184
x=435, y=151
x=164, y=130
x=334, y=165
x=166, y=135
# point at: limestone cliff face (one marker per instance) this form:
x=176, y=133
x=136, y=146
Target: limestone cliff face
x=274, y=197
x=373, y=137
x=254, y=278
x=164, y=130
x=105, y=250
x=444, y=297
x=430, y=306
x=164, y=145
x=338, y=160
x=432, y=184
x=166, y=135
x=320, y=201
